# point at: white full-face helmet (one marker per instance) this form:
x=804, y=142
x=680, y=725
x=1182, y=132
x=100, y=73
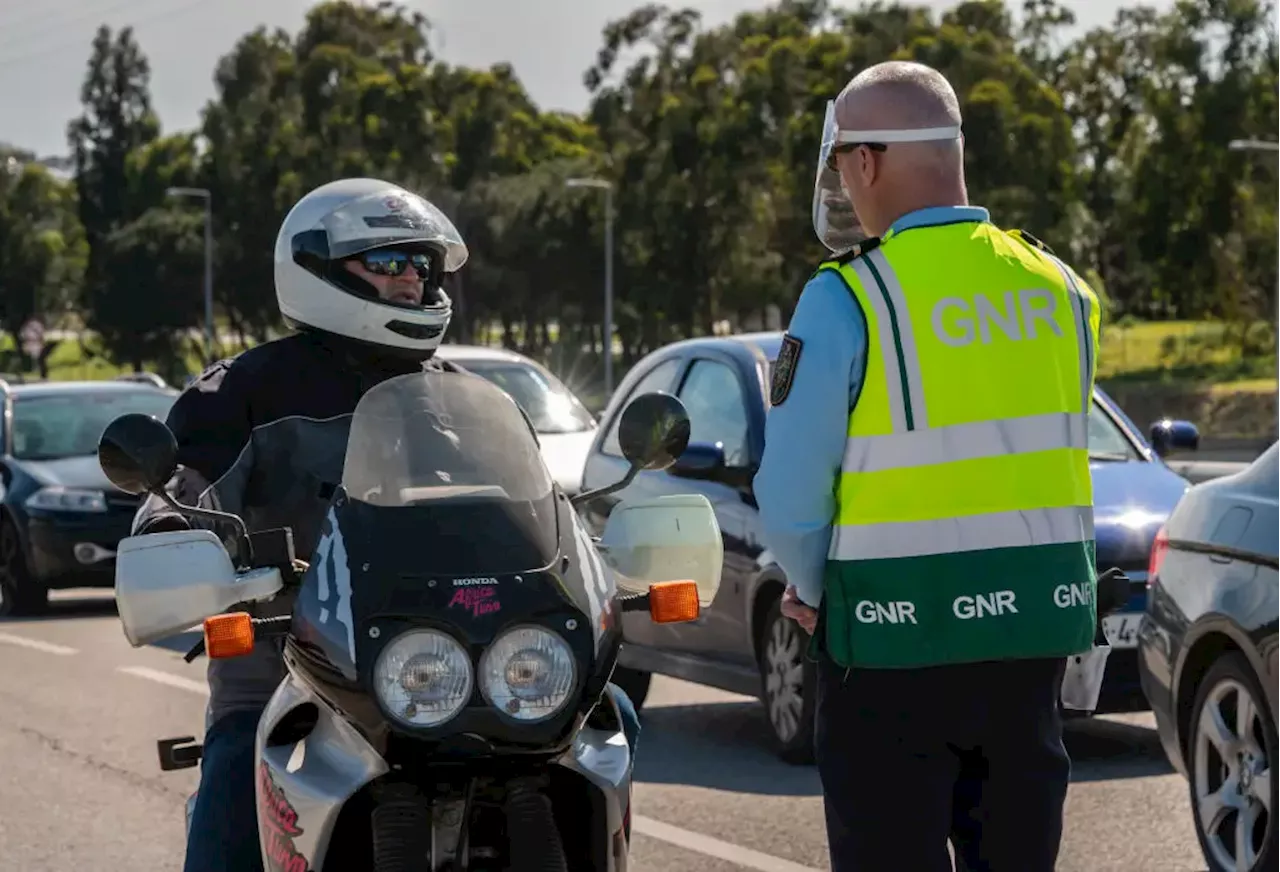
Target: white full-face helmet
x=349, y=218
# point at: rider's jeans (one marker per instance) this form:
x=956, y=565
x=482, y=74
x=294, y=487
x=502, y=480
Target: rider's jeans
x=224, y=823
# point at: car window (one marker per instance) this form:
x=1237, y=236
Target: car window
x=69, y=425
x=658, y=379
x=551, y=407
x=717, y=409
x=1105, y=437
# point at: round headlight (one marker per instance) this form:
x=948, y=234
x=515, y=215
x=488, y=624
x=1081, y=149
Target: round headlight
x=423, y=678
x=528, y=673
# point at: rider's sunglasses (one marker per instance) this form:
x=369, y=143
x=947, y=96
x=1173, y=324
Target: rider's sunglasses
x=391, y=262
x=845, y=147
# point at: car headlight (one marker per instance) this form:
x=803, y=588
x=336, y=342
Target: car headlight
x=528, y=673
x=423, y=678
x=67, y=499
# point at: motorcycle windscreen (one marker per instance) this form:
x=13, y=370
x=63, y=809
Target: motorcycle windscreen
x=442, y=478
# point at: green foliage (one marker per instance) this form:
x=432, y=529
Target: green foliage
x=1112, y=146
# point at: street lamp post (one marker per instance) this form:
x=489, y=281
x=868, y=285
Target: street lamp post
x=607, y=187
x=207, y=196
x=1271, y=147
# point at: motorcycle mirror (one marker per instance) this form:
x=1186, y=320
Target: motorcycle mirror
x=137, y=453
x=653, y=431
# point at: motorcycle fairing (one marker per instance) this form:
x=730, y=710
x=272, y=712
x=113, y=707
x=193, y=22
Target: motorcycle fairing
x=301, y=786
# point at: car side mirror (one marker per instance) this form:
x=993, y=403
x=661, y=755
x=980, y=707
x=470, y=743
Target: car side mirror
x=653, y=431
x=699, y=460
x=1168, y=436
x=138, y=453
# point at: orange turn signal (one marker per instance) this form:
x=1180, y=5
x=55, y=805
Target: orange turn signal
x=674, y=602
x=228, y=635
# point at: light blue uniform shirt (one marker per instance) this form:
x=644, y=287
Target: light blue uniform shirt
x=805, y=436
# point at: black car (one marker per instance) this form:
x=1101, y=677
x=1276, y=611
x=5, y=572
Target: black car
x=60, y=519
x=1207, y=659
x=741, y=643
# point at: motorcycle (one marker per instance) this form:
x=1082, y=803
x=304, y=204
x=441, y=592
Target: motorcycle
x=449, y=645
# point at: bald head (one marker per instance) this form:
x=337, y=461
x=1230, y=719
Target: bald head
x=901, y=95
x=897, y=95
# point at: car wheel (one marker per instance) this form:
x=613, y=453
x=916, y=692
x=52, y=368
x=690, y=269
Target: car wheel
x=788, y=681
x=634, y=682
x=1231, y=754
x=20, y=592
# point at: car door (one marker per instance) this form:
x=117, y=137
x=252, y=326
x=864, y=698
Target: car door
x=716, y=398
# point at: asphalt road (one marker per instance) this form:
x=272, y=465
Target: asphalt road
x=80, y=787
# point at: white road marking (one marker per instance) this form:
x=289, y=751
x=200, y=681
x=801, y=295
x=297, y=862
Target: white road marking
x=165, y=678
x=654, y=829
x=714, y=847
x=37, y=645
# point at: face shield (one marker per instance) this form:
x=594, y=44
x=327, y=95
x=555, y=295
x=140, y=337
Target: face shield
x=834, y=221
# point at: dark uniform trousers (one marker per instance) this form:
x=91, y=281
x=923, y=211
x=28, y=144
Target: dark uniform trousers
x=911, y=757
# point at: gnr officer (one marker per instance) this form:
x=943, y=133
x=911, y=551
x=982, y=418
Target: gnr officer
x=926, y=488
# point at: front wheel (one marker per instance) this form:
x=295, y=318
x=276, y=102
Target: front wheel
x=788, y=682
x=1231, y=756
x=20, y=592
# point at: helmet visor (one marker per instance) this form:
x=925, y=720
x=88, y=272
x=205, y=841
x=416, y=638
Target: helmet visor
x=383, y=219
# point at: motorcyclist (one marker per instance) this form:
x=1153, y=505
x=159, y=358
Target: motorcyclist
x=359, y=266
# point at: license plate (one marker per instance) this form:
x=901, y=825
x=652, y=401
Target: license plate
x=1122, y=630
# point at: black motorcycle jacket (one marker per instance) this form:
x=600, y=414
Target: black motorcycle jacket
x=263, y=435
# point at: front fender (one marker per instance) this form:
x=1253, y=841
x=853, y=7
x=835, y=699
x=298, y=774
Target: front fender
x=770, y=575
x=302, y=786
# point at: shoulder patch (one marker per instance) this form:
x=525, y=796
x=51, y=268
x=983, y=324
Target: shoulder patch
x=784, y=369
x=1033, y=241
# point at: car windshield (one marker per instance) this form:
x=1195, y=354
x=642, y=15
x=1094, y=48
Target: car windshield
x=69, y=425
x=550, y=405
x=1106, y=441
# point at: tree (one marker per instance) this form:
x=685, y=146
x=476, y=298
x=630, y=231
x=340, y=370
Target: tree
x=153, y=287
x=42, y=249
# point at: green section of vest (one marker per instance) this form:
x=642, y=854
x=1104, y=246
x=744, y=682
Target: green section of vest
x=965, y=607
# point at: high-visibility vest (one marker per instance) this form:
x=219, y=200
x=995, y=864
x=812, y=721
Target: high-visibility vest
x=964, y=523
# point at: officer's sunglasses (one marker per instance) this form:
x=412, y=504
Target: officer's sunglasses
x=846, y=147
x=391, y=262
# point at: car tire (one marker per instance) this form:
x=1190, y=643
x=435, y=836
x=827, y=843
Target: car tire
x=21, y=593
x=634, y=682
x=1225, y=758
x=788, y=681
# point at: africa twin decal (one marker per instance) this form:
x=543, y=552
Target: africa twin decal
x=331, y=558
x=477, y=600
x=278, y=821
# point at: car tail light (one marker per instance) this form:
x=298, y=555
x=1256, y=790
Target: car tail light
x=1159, y=548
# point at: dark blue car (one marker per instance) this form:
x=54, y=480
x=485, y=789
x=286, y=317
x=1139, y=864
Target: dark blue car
x=741, y=644
x=60, y=519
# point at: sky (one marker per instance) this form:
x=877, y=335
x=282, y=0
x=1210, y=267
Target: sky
x=44, y=47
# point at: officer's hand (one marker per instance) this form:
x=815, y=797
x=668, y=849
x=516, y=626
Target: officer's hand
x=797, y=611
